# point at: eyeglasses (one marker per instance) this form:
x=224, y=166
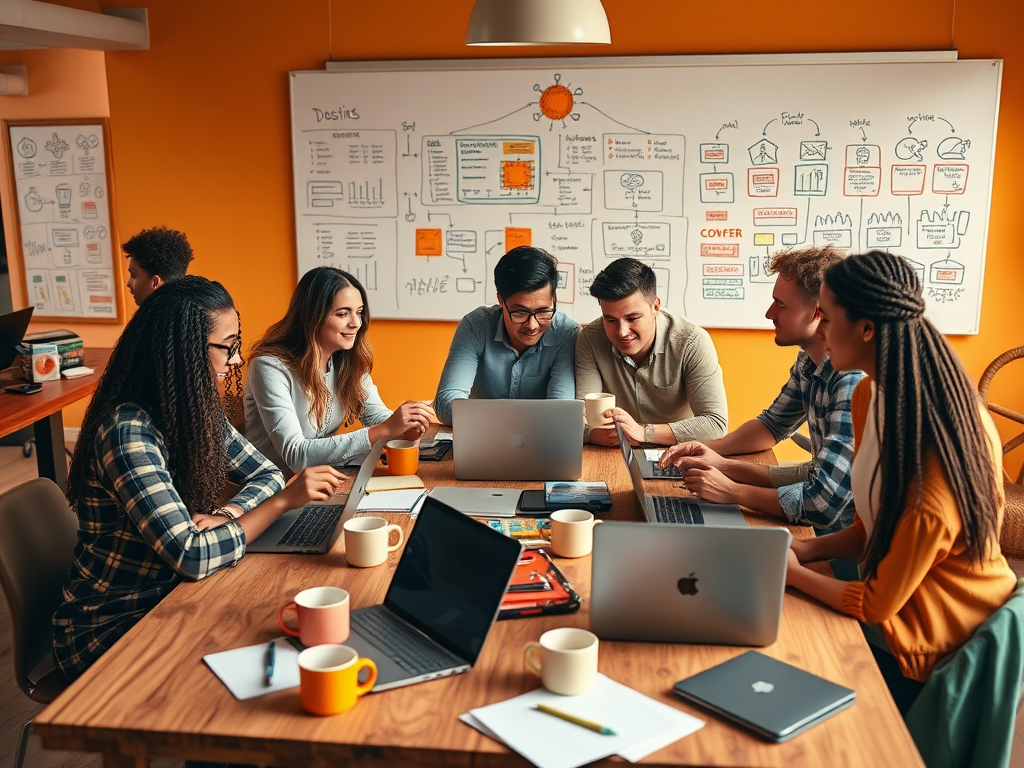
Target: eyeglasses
x=233, y=350
x=522, y=316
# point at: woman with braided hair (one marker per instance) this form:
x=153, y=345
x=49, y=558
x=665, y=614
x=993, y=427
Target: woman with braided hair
x=149, y=466
x=926, y=479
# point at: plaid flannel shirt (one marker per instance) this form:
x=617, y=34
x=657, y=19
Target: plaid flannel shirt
x=136, y=539
x=819, y=395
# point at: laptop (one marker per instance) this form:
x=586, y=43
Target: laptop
x=12, y=330
x=680, y=509
x=649, y=470
x=479, y=502
x=517, y=439
x=688, y=584
x=314, y=528
x=773, y=699
x=444, y=597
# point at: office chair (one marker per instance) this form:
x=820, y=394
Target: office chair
x=1011, y=537
x=38, y=534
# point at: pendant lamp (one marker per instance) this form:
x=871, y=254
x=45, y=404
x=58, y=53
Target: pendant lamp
x=537, y=22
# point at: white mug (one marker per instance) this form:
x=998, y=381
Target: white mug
x=366, y=541
x=567, y=660
x=595, y=404
x=572, y=532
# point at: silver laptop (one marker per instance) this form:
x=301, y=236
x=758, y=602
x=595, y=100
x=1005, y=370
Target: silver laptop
x=680, y=509
x=649, y=470
x=314, y=528
x=517, y=439
x=774, y=699
x=688, y=584
x=479, y=502
x=444, y=597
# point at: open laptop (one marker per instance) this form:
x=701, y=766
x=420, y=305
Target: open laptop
x=688, y=584
x=517, y=439
x=649, y=470
x=444, y=597
x=314, y=528
x=12, y=330
x=680, y=509
x=774, y=699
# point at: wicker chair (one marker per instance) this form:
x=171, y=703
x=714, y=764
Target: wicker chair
x=1011, y=538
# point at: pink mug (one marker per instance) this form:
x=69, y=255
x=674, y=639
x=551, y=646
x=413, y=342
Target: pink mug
x=322, y=614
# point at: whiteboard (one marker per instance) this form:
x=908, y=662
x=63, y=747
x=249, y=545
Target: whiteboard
x=417, y=176
x=63, y=195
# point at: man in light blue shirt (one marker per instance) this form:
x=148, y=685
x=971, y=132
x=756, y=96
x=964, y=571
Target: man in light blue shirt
x=521, y=348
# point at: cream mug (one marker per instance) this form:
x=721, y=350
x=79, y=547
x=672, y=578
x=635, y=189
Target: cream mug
x=572, y=532
x=595, y=404
x=366, y=541
x=565, y=659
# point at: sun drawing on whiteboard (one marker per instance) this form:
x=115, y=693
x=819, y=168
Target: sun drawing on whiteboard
x=556, y=102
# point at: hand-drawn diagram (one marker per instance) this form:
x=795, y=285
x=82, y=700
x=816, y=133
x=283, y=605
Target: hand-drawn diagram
x=64, y=221
x=421, y=200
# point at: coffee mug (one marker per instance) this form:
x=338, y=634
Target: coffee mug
x=403, y=456
x=322, y=615
x=329, y=678
x=596, y=403
x=565, y=659
x=366, y=541
x=572, y=532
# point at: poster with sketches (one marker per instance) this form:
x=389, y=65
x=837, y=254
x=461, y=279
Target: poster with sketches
x=67, y=243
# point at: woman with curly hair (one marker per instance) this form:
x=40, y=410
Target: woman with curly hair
x=310, y=375
x=150, y=464
x=925, y=477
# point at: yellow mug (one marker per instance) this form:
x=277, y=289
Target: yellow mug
x=329, y=678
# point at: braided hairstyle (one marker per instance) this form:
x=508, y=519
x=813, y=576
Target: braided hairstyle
x=930, y=404
x=161, y=364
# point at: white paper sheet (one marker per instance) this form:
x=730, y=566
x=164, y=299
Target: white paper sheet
x=653, y=454
x=243, y=670
x=404, y=500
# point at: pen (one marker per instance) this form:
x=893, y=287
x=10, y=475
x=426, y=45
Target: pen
x=271, y=653
x=573, y=719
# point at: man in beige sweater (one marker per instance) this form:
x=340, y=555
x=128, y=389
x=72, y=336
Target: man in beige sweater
x=662, y=369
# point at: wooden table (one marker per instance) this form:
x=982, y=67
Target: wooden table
x=43, y=412
x=152, y=696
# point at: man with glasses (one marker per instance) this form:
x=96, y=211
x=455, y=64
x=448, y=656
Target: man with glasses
x=522, y=347
x=662, y=369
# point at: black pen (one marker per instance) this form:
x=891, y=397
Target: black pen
x=271, y=653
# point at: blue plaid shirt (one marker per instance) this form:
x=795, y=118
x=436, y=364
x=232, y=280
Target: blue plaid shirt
x=821, y=396
x=136, y=539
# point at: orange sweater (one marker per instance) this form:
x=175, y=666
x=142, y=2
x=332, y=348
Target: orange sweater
x=926, y=594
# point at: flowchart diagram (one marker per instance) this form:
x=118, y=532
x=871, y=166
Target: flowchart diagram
x=419, y=200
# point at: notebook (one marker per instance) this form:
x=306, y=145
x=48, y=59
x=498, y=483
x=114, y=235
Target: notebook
x=773, y=699
x=443, y=599
x=12, y=331
x=518, y=439
x=649, y=470
x=680, y=509
x=314, y=528
x=688, y=584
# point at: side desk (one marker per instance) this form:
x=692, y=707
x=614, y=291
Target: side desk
x=43, y=412
x=152, y=696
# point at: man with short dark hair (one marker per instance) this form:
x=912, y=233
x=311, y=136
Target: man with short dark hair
x=662, y=369
x=816, y=493
x=522, y=347
x=155, y=256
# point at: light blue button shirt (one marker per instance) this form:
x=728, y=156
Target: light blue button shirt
x=482, y=363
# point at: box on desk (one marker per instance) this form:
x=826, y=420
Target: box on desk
x=66, y=347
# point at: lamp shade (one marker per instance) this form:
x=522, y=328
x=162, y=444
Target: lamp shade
x=537, y=22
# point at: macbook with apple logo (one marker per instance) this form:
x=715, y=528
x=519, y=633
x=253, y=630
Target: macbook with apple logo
x=705, y=584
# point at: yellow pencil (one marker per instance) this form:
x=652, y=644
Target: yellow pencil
x=573, y=719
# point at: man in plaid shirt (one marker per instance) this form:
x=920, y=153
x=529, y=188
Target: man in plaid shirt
x=818, y=492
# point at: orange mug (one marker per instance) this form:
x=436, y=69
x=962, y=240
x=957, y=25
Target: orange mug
x=322, y=614
x=329, y=678
x=403, y=456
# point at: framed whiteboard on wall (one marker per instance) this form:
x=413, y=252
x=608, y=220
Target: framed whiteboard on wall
x=60, y=180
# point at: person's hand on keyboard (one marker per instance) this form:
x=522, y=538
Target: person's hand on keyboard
x=710, y=485
x=313, y=484
x=691, y=455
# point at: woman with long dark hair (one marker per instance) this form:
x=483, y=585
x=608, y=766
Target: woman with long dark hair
x=310, y=375
x=926, y=479
x=150, y=465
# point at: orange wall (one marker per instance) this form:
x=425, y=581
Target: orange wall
x=201, y=136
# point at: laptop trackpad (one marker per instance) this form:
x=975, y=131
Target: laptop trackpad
x=387, y=670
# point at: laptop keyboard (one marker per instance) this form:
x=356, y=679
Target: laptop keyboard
x=658, y=471
x=312, y=526
x=676, y=509
x=404, y=645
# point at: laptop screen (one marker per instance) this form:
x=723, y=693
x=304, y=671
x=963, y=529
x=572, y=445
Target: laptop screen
x=451, y=578
x=12, y=331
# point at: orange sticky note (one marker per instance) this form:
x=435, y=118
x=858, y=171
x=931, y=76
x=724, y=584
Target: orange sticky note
x=516, y=236
x=428, y=242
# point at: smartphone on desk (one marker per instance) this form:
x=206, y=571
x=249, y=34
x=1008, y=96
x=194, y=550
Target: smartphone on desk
x=24, y=389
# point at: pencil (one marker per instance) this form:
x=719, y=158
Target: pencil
x=577, y=720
